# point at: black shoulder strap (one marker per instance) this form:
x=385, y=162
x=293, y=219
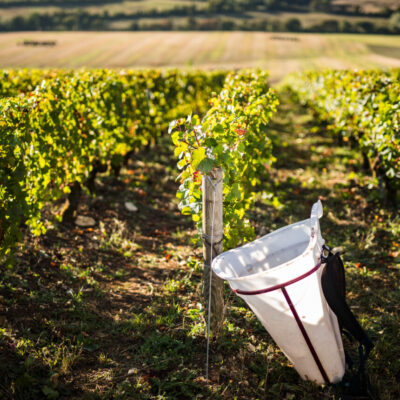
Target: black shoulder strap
x=334, y=287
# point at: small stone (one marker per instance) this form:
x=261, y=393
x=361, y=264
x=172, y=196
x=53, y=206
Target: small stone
x=251, y=347
x=84, y=222
x=132, y=371
x=130, y=206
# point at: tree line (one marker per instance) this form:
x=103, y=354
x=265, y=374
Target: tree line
x=201, y=21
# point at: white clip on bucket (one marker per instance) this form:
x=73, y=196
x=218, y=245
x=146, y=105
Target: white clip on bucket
x=279, y=277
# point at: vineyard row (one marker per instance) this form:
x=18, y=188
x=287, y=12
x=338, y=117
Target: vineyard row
x=363, y=109
x=60, y=127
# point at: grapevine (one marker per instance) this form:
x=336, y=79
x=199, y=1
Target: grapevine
x=57, y=125
x=231, y=136
x=361, y=107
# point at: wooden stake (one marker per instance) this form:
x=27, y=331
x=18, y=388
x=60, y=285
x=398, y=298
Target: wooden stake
x=213, y=232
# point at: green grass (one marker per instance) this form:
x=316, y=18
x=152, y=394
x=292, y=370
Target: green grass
x=114, y=311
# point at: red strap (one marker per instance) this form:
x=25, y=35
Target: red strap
x=294, y=312
x=280, y=286
x=305, y=336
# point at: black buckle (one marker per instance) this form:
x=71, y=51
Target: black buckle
x=326, y=250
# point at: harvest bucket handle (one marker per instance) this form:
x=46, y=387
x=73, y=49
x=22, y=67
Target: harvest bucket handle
x=316, y=213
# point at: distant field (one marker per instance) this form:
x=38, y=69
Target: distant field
x=279, y=52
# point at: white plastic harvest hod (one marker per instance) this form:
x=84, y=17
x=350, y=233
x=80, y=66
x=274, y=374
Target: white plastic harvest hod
x=286, y=264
